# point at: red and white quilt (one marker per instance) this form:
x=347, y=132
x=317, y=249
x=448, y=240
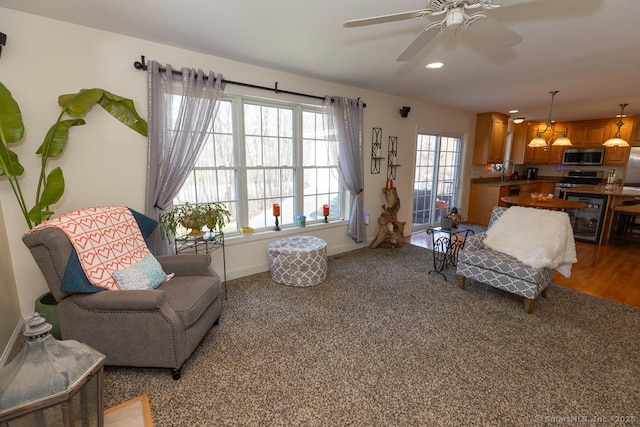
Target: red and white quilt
x=106, y=238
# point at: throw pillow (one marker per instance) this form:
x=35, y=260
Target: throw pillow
x=145, y=274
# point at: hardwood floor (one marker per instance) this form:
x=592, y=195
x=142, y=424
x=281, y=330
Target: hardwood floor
x=611, y=271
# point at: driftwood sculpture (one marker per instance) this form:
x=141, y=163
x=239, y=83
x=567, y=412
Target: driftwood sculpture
x=391, y=230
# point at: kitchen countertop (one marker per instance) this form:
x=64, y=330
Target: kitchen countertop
x=601, y=189
x=509, y=183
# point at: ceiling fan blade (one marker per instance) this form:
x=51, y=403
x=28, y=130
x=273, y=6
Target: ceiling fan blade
x=388, y=18
x=495, y=32
x=420, y=42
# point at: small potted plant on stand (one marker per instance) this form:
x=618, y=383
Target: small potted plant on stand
x=194, y=217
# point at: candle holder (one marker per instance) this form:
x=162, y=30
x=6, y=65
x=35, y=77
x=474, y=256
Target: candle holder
x=276, y=228
x=326, y=219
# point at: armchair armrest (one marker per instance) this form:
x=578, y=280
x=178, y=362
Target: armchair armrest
x=151, y=299
x=474, y=242
x=187, y=264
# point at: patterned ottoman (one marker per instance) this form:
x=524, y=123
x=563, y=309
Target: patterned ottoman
x=298, y=260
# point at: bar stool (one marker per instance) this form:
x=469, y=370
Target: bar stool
x=624, y=218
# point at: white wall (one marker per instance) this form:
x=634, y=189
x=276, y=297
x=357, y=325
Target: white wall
x=105, y=162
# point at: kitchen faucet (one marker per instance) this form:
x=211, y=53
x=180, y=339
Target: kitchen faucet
x=504, y=166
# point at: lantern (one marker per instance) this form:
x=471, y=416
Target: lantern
x=51, y=382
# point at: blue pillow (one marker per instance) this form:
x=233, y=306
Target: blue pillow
x=75, y=280
x=145, y=274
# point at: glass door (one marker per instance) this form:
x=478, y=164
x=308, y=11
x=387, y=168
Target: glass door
x=435, y=179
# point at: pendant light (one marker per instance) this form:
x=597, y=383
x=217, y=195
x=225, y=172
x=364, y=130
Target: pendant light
x=616, y=141
x=540, y=142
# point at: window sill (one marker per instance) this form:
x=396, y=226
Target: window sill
x=288, y=231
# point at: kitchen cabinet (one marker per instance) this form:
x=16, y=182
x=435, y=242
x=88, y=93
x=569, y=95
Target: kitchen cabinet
x=616, y=155
x=589, y=132
x=490, y=139
x=634, y=140
x=482, y=199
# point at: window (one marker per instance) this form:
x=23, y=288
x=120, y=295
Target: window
x=259, y=153
x=435, y=179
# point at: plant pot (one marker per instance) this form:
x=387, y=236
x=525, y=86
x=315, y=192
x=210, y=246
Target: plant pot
x=47, y=306
x=195, y=227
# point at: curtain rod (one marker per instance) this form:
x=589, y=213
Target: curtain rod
x=141, y=65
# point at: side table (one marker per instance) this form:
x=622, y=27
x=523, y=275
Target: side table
x=446, y=245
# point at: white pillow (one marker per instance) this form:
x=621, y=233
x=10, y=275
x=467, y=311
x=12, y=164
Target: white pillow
x=145, y=274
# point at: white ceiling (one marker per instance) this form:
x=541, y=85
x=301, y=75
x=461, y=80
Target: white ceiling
x=588, y=50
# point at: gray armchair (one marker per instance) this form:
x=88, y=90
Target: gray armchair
x=141, y=328
x=500, y=270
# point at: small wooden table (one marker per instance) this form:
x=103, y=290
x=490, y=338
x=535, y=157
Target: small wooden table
x=553, y=204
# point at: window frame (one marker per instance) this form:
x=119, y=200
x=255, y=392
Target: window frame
x=240, y=167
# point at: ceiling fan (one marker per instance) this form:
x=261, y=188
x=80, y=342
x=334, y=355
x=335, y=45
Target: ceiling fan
x=455, y=17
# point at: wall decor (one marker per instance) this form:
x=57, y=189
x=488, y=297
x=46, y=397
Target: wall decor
x=392, y=157
x=376, y=150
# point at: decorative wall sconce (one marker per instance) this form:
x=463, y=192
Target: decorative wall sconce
x=404, y=111
x=376, y=150
x=392, y=158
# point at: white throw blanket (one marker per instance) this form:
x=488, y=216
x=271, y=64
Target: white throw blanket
x=536, y=237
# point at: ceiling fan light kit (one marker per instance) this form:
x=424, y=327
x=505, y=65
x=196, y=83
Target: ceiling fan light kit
x=455, y=16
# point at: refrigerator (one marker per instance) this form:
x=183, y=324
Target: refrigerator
x=632, y=176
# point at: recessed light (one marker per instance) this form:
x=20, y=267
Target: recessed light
x=513, y=111
x=434, y=65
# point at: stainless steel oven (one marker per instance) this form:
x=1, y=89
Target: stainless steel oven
x=575, y=177
x=587, y=222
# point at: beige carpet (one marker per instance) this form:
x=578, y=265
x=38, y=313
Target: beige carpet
x=383, y=343
x=135, y=412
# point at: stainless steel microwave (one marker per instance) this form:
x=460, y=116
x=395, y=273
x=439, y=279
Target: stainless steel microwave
x=583, y=156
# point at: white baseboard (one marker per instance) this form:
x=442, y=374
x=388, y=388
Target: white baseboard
x=17, y=333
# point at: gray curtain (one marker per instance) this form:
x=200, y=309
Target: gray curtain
x=181, y=110
x=345, y=123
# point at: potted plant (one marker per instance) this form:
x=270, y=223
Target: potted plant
x=74, y=107
x=194, y=217
x=216, y=216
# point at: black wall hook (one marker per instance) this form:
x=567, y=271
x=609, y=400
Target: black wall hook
x=140, y=65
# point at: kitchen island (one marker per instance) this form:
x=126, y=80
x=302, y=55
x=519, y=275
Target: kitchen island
x=486, y=193
x=614, y=198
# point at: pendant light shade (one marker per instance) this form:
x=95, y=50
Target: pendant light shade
x=537, y=142
x=616, y=141
x=540, y=142
x=562, y=141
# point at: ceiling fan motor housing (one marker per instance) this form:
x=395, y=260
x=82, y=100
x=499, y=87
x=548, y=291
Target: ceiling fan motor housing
x=455, y=17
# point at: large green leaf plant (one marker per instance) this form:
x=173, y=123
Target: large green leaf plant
x=74, y=107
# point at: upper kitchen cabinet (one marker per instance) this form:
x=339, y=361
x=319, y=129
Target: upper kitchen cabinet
x=589, y=132
x=491, y=138
x=523, y=133
x=634, y=140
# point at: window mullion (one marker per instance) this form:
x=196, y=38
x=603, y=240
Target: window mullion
x=238, y=130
